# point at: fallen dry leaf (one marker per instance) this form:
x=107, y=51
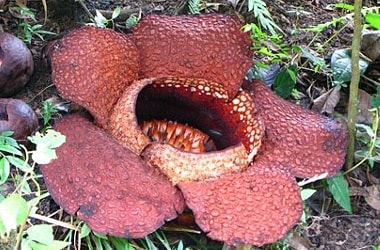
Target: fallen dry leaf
x=364, y=116
x=370, y=44
x=327, y=102
x=298, y=242
x=373, y=197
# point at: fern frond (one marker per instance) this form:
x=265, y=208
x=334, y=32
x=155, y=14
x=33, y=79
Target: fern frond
x=193, y=6
x=263, y=16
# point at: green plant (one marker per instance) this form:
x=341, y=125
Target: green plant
x=341, y=66
x=264, y=18
x=193, y=6
x=154, y=241
x=102, y=22
x=270, y=47
x=48, y=111
x=28, y=26
x=367, y=135
x=345, y=20
x=15, y=209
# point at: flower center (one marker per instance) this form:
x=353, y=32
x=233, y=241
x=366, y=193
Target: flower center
x=189, y=128
x=180, y=136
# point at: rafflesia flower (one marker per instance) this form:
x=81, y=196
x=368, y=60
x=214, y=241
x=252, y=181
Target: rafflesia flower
x=176, y=125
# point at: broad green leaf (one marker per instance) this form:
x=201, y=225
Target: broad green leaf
x=55, y=245
x=339, y=189
x=4, y=170
x=341, y=66
x=285, y=81
x=13, y=211
x=10, y=149
x=41, y=233
x=19, y=163
x=43, y=155
x=373, y=20
x=46, y=144
x=50, y=139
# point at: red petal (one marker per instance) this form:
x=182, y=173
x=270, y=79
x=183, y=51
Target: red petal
x=211, y=47
x=109, y=187
x=303, y=141
x=92, y=66
x=255, y=207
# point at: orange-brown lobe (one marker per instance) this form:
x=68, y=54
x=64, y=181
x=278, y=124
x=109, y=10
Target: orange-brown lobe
x=257, y=206
x=210, y=47
x=106, y=185
x=92, y=67
x=303, y=141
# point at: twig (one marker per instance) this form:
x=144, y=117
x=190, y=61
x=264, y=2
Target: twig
x=354, y=86
x=83, y=5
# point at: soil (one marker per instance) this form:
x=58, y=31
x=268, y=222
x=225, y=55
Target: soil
x=329, y=226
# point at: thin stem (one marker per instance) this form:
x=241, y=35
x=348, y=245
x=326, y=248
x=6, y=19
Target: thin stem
x=354, y=86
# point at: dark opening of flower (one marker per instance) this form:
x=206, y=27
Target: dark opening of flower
x=200, y=104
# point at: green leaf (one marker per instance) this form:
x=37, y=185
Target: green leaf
x=339, y=189
x=131, y=21
x=19, y=163
x=306, y=193
x=13, y=212
x=315, y=60
x=7, y=133
x=344, y=6
x=100, y=20
x=85, y=231
x=373, y=20
x=46, y=144
x=193, y=6
x=48, y=109
x=4, y=170
x=285, y=81
x=116, y=12
x=55, y=245
x=366, y=128
x=41, y=233
x=341, y=66
x=10, y=149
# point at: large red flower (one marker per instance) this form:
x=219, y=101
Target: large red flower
x=176, y=127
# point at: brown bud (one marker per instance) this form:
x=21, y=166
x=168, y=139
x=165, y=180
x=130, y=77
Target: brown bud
x=16, y=64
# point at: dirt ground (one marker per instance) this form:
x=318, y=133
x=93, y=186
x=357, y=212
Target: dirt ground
x=329, y=227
